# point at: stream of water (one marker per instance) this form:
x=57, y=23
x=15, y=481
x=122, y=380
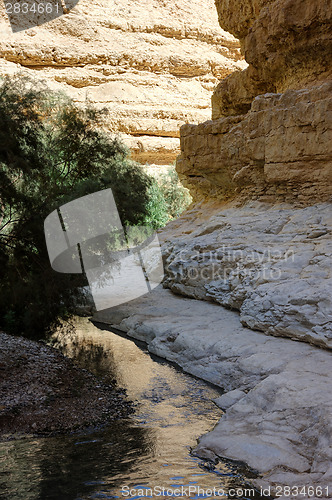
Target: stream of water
x=136, y=457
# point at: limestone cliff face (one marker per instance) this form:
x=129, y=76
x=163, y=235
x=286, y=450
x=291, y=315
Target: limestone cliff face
x=261, y=174
x=279, y=151
x=287, y=44
x=271, y=131
x=154, y=64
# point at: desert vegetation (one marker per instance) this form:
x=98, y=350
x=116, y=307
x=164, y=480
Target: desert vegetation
x=51, y=152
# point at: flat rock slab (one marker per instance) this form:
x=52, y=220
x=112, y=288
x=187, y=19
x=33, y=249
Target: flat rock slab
x=271, y=263
x=281, y=423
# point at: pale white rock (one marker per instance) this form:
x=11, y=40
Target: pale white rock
x=278, y=399
x=229, y=398
x=272, y=263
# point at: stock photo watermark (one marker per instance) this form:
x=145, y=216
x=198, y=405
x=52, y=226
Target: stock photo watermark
x=225, y=263
x=186, y=492
x=27, y=14
x=195, y=491
x=86, y=236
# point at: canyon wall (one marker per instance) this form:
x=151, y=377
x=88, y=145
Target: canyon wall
x=271, y=131
x=258, y=239
x=258, y=242
x=154, y=64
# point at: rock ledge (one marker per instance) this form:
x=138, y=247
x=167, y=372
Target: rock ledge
x=281, y=423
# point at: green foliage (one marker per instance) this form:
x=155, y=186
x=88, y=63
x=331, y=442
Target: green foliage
x=176, y=196
x=158, y=210
x=168, y=199
x=51, y=152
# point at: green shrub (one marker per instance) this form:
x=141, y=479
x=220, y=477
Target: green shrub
x=51, y=152
x=168, y=198
x=176, y=196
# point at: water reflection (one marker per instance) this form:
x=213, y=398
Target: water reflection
x=68, y=467
x=150, y=448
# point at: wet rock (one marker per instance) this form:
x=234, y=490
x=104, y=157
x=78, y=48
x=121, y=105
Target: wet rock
x=229, y=398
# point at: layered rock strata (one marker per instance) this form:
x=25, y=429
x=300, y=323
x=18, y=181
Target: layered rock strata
x=287, y=44
x=153, y=64
x=280, y=151
x=271, y=132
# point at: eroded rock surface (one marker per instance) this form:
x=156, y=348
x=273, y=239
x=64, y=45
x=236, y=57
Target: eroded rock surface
x=287, y=44
x=269, y=140
x=270, y=137
x=268, y=270
x=273, y=264
x=279, y=420
x=153, y=64
x=279, y=151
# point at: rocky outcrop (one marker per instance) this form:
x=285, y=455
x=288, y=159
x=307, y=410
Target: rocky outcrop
x=272, y=264
x=274, y=148
x=277, y=401
x=280, y=151
x=258, y=240
x=153, y=64
x=270, y=137
x=287, y=44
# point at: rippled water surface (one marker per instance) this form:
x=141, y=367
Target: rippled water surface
x=150, y=449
